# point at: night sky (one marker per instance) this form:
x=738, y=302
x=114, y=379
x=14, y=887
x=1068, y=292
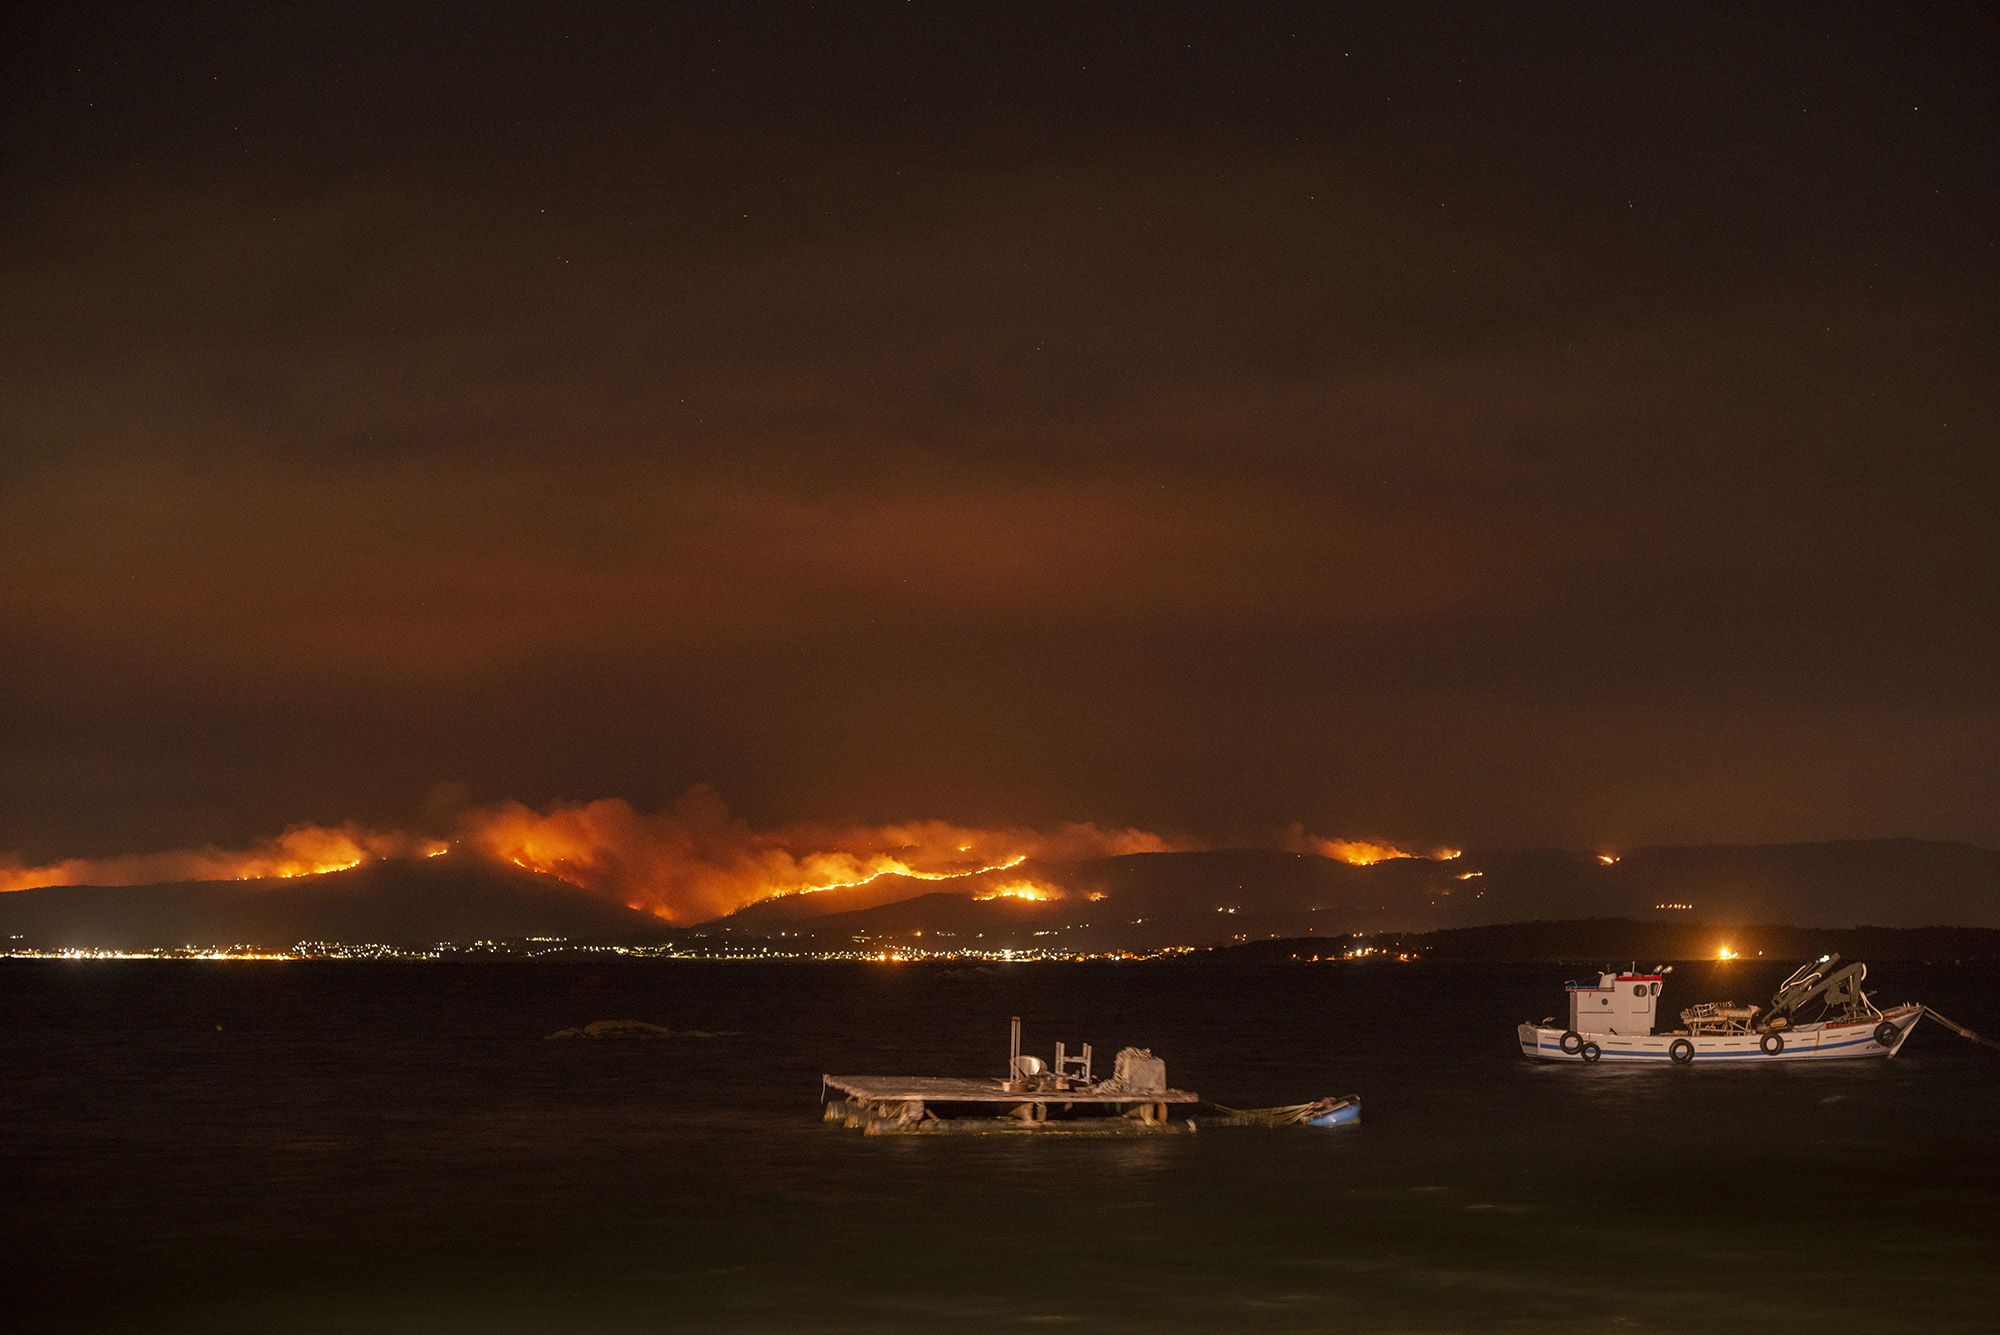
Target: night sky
x=1507, y=425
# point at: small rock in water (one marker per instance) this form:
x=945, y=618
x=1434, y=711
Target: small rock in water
x=625, y=1029
x=622, y=1029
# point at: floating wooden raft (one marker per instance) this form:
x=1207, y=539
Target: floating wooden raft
x=879, y=1104
x=1035, y=1097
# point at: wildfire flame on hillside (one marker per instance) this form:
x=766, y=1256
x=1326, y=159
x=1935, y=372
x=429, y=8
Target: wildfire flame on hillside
x=692, y=861
x=1029, y=890
x=1358, y=852
x=696, y=860
x=302, y=850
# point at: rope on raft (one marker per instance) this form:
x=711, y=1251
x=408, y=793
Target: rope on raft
x=1961, y=1030
x=1290, y=1114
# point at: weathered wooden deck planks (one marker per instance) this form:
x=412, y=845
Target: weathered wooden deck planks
x=950, y=1089
x=921, y=1104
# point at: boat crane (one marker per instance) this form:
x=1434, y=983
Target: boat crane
x=1838, y=990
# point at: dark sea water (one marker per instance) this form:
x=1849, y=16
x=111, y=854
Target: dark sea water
x=347, y=1147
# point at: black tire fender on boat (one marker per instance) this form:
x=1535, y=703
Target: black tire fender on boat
x=1680, y=1052
x=1590, y=1052
x=1571, y=1042
x=1885, y=1034
x=1772, y=1043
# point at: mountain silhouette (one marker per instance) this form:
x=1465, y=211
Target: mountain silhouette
x=1230, y=896
x=1141, y=901
x=398, y=901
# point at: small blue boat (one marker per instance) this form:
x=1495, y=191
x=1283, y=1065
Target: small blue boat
x=1335, y=1112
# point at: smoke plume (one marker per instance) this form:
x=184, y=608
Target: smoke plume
x=696, y=860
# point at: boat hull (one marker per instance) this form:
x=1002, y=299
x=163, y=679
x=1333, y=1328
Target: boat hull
x=1807, y=1042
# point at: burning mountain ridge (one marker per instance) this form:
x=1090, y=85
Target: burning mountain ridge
x=302, y=850
x=936, y=887
x=1152, y=901
x=1357, y=852
x=692, y=861
x=409, y=902
x=695, y=860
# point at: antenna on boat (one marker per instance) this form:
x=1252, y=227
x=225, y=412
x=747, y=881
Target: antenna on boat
x=1014, y=1052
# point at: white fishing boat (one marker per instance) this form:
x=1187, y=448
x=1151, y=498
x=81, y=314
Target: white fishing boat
x=1819, y=1013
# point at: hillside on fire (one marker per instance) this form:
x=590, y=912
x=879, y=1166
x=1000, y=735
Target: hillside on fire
x=1152, y=901
x=396, y=901
x=1144, y=901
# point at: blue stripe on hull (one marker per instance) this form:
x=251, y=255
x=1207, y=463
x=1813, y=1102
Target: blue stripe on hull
x=1862, y=1046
